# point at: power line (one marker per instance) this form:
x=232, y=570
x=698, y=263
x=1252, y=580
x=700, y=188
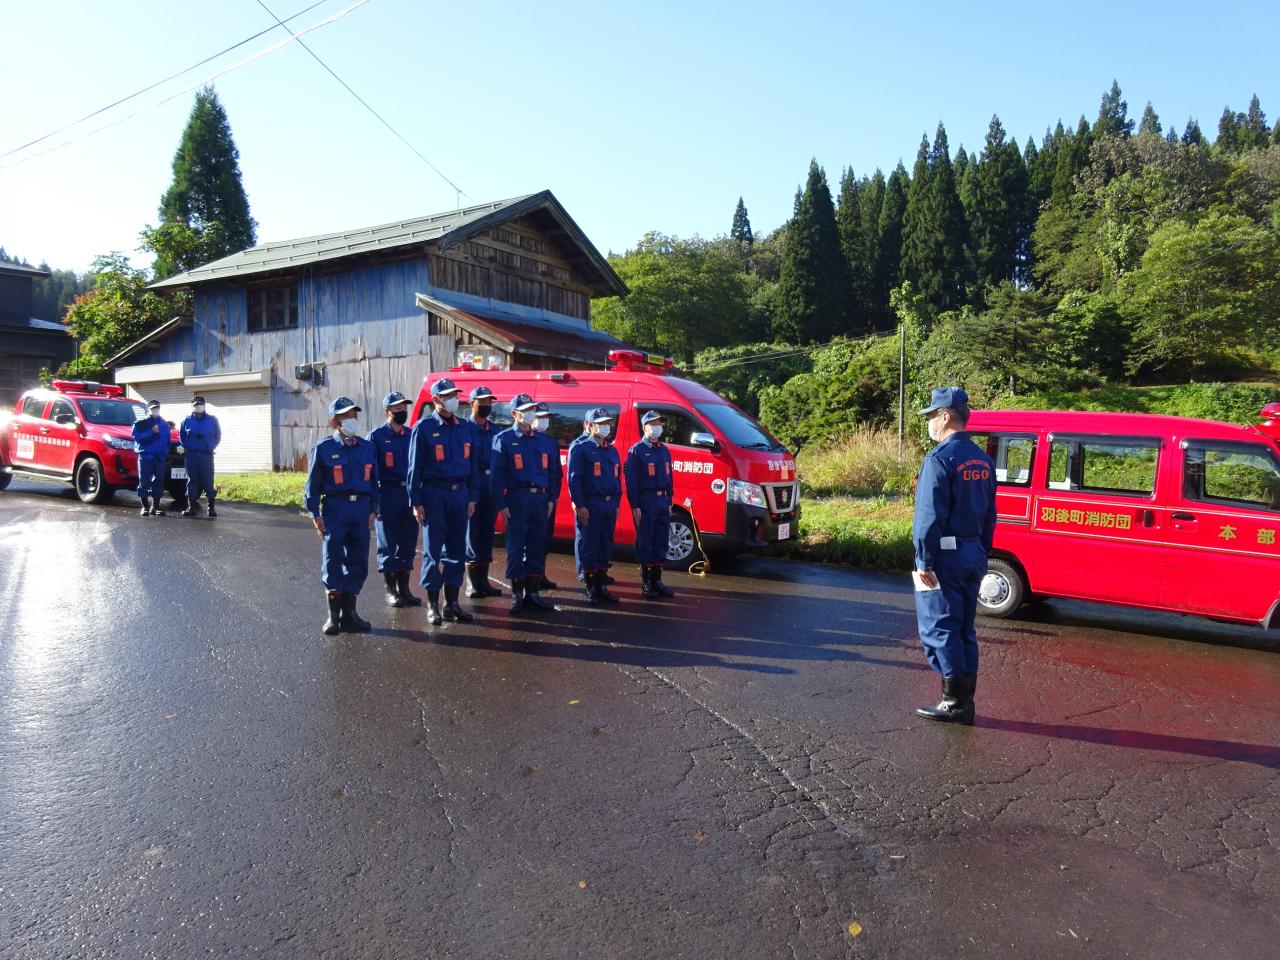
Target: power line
x=150, y=87
x=440, y=173
x=292, y=38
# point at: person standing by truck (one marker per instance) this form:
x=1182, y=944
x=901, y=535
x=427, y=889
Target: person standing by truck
x=955, y=520
x=480, y=526
x=200, y=435
x=443, y=488
x=342, y=499
x=151, y=442
x=397, y=528
x=595, y=488
x=649, y=485
x=525, y=483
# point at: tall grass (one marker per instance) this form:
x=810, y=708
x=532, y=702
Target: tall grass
x=863, y=532
x=863, y=464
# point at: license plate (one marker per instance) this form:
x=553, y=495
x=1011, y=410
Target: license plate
x=178, y=473
x=784, y=531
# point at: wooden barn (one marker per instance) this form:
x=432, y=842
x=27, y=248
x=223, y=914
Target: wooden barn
x=281, y=328
x=27, y=344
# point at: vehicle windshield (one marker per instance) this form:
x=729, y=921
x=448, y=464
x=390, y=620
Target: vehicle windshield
x=738, y=428
x=112, y=413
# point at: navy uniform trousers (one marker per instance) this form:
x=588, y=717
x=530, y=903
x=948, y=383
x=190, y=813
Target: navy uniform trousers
x=526, y=532
x=344, y=551
x=653, y=536
x=593, y=540
x=480, y=529
x=444, y=535
x=946, y=616
x=397, y=529
x=151, y=476
x=200, y=475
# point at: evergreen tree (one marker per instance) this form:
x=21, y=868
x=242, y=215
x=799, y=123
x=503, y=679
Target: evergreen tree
x=1253, y=127
x=856, y=246
x=893, y=211
x=1150, y=122
x=934, y=232
x=1229, y=131
x=1191, y=134
x=1275, y=133
x=870, y=202
x=741, y=231
x=814, y=287
x=1042, y=165
x=1113, y=115
x=207, y=189
x=999, y=220
x=1172, y=135
x=1072, y=155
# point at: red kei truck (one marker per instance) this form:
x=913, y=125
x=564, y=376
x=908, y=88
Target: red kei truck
x=734, y=482
x=1164, y=513
x=79, y=432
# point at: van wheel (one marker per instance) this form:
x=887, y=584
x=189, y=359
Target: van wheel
x=89, y=482
x=1002, y=590
x=681, y=543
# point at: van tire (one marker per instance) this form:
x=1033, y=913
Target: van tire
x=1003, y=589
x=682, y=545
x=91, y=483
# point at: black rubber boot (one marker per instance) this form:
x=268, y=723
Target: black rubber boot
x=334, y=623
x=955, y=705
x=475, y=585
x=146, y=507
x=435, y=616
x=517, y=597
x=489, y=589
x=452, y=610
x=971, y=687
x=192, y=508
x=603, y=590
x=392, y=582
x=156, y=511
x=658, y=585
x=402, y=582
x=352, y=622
x=532, y=595
x=607, y=580
x=212, y=512
x=646, y=584
x=592, y=580
x=546, y=584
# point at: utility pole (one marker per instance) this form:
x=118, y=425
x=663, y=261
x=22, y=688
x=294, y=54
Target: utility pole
x=902, y=385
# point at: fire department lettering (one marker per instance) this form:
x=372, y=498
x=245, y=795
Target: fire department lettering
x=692, y=466
x=1087, y=518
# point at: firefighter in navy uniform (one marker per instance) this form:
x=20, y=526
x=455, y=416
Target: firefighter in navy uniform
x=525, y=483
x=397, y=528
x=200, y=435
x=955, y=520
x=151, y=440
x=595, y=487
x=649, y=487
x=443, y=488
x=480, y=527
x=342, y=498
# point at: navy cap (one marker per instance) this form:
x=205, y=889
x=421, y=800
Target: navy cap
x=540, y=408
x=153, y=405
x=481, y=393
x=443, y=386
x=522, y=401
x=394, y=399
x=599, y=415
x=946, y=397
x=197, y=399
x=652, y=416
x=342, y=405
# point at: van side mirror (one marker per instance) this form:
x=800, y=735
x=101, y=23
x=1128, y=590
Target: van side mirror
x=705, y=440
x=65, y=419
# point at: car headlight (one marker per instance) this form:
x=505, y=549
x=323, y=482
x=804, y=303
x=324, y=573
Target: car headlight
x=752, y=494
x=119, y=443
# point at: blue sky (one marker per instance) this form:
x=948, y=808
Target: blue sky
x=652, y=116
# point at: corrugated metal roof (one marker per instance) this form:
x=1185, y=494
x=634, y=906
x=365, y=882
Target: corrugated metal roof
x=21, y=269
x=447, y=227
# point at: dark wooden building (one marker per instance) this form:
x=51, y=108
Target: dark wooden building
x=27, y=344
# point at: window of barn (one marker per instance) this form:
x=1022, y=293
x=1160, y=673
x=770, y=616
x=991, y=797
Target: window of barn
x=273, y=308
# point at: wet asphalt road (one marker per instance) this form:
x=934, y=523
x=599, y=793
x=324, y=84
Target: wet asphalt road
x=189, y=768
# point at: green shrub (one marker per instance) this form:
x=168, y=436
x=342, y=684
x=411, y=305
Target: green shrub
x=864, y=533
x=865, y=463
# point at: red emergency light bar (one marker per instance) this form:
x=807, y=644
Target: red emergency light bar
x=1270, y=415
x=638, y=362
x=87, y=386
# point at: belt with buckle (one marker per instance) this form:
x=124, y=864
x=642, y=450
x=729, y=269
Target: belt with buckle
x=485, y=472
x=447, y=484
x=350, y=497
x=532, y=489
x=602, y=499
x=393, y=483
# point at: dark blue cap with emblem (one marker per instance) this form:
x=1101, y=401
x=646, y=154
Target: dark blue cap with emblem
x=652, y=416
x=540, y=408
x=599, y=415
x=394, y=399
x=481, y=393
x=443, y=387
x=342, y=405
x=946, y=397
x=522, y=401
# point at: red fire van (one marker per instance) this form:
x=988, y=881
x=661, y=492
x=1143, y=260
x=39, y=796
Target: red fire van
x=733, y=479
x=1167, y=513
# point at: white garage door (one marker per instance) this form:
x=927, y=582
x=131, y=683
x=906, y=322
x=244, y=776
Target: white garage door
x=243, y=413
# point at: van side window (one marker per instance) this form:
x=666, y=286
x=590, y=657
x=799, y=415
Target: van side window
x=566, y=419
x=33, y=407
x=61, y=407
x=1104, y=465
x=1013, y=456
x=679, y=426
x=1238, y=474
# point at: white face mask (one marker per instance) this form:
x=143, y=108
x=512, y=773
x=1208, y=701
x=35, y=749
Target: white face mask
x=935, y=428
x=198, y=408
x=541, y=423
x=653, y=431
x=348, y=428
x=155, y=414
x=603, y=430
x=450, y=405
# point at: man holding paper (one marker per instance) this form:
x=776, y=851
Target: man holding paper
x=955, y=519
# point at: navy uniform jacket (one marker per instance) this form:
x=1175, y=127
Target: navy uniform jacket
x=393, y=453
x=149, y=445
x=201, y=434
x=955, y=497
x=483, y=450
x=524, y=460
x=648, y=469
x=594, y=471
x=442, y=451
x=341, y=469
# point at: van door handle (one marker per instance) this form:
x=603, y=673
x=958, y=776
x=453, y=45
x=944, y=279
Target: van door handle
x=44, y=429
x=1185, y=516
x=1148, y=518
